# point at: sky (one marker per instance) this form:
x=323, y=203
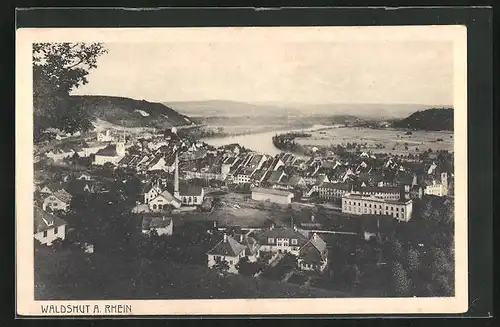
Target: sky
x=277, y=70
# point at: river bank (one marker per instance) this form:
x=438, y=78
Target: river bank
x=261, y=142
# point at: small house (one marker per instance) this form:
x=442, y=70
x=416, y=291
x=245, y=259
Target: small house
x=160, y=224
x=313, y=255
x=48, y=227
x=228, y=250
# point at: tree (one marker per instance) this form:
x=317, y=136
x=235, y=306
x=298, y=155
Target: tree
x=397, y=249
x=221, y=265
x=402, y=283
x=59, y=68
x=413, y=258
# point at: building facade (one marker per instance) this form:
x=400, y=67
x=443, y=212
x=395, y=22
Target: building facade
x=359, y=205
x=272, y=195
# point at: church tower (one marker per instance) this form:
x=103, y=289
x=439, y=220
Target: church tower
x=444, y=183
x=120, y=148
x=176, y=177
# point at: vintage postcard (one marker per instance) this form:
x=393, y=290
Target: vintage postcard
x=245, y=171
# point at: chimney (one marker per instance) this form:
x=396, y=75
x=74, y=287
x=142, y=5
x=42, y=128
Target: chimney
x=225, y=237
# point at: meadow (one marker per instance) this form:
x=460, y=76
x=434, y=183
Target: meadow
x=381, y=140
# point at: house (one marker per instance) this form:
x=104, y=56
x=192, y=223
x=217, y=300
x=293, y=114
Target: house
x=92, y=148
x=313, y=255
x=437, y=188
x=164, y=201
x=112, y=153
x=233, y=148
x=290, y=183
x=105, y=136
x=332, y=191
x=282, y=239
x=52, y=187
x=252, y=247
x=48, y=227
x=161, y=224
x=275, y=177
x=158, y=163
x=243, y=175
x=272, y=195
x=190, y=195
x=229, y=250
x=151, y=191
x=58, y=154
x=59, y=200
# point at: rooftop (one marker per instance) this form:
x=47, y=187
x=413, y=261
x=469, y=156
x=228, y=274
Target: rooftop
x=44, y=220
x=108, y=151
x=228, y=246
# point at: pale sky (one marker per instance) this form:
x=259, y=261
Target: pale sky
x=299, y=71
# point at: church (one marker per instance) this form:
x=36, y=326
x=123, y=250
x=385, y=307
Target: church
x=159, y=198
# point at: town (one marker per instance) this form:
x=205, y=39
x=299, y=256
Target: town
x=333, y=221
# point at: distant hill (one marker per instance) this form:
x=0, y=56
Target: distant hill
x=435, y=119
x=129, y=112
x=227, y=108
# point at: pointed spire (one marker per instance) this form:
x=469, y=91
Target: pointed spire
x=176, y=176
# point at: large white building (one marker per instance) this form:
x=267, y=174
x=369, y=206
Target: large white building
x=271, y=195
x=362, y=205
x=437, y=188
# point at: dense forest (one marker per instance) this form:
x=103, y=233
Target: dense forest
x=436, y=119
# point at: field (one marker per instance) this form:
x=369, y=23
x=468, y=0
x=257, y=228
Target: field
x=228, y=215
x=389, y=139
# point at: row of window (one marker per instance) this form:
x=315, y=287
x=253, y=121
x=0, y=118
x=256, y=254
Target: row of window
x=374, y=206
x=55, y=232
x=282, y=242
x=377, y=212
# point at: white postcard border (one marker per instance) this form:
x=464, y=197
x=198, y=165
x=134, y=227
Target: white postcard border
x=27, y=306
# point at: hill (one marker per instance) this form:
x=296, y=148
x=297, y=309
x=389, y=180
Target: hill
x=79, y=276
x=435, y=119
x=128, y=112
x=227, y=108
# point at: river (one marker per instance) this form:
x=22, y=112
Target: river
x=259, y=142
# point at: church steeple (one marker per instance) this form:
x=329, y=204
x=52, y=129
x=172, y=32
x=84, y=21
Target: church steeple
x=176, y=177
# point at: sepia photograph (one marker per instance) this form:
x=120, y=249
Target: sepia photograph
x=242, y=166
